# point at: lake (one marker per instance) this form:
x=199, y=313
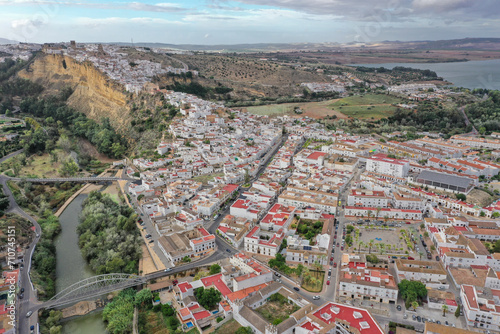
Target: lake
x=471, y=74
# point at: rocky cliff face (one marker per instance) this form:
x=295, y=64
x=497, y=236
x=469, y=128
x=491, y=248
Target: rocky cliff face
x=94, y=93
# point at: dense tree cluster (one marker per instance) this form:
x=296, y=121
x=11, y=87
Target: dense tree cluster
x=119, y=313
x=102, y=135
x=486, y=114
x=4, y=202
x=108, y=236
x=412, y=292
x=44, y=258
x=207, y=298
x=429, y=117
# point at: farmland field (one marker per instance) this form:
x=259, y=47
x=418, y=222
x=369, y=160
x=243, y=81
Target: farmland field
x=366, y=106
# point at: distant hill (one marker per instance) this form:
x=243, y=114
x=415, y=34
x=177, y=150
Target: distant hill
x=7, y=41
x=492, y=44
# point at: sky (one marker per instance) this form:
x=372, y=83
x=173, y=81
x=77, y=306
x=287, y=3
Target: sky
x=247, y=21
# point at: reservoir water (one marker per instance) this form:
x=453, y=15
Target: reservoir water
x=71, y=268
x=470, y=74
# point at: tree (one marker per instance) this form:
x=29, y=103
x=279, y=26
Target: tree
x=445, y=309
x=214, y=269
x=414, y=305
x=461, y=197
x=186, y=259
x=370, y=245
x=69, y=168
x=207, y=298
x=411, y=291
x=495, y=214
x=143, y=298
x=457, y=312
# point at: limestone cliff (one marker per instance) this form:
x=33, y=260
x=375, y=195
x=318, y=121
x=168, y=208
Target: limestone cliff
x=94, y=93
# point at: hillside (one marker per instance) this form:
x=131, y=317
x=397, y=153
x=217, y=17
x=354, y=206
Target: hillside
x=94, y=94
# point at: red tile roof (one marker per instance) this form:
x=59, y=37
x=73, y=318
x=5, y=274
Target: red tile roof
x=357, y=318
x=217, y=281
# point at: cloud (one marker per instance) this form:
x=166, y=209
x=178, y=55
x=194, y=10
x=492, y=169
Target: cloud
x=134, y=6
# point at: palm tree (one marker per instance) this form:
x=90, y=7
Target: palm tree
x=361, y=243
x=381, y=248
x=414, y=305
x=421, y=254
x=445, y=309
x=370, y=245
x=378, y=211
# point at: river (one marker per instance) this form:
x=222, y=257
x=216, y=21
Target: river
x=71, y=268
x=470, y=74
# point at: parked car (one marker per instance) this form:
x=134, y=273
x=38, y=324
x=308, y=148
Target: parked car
x=29, y=314
x=437, y=258
x=296, y=289
x=410, y=258
x=148, y=235
x=398, y=307
x=414, y=317
x=327, y=282
x=174, y=282
x=151, y=241
x=316, y=297
x=429, y=256
x=277, y=275
x=335, y=265
x=419, y=319
x=331, y=259
x=278, y=280
x=22, y=290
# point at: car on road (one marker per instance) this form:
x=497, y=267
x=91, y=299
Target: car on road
x=29, y=314
x=228, y=250
x=316, y=297
x=167, y=270
x=296, y=289
x=398, y=307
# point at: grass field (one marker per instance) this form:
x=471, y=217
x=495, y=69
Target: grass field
x=39, y=165
x=366, y=106
x=207, y=177
x=310, y=109
x=229, y=327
